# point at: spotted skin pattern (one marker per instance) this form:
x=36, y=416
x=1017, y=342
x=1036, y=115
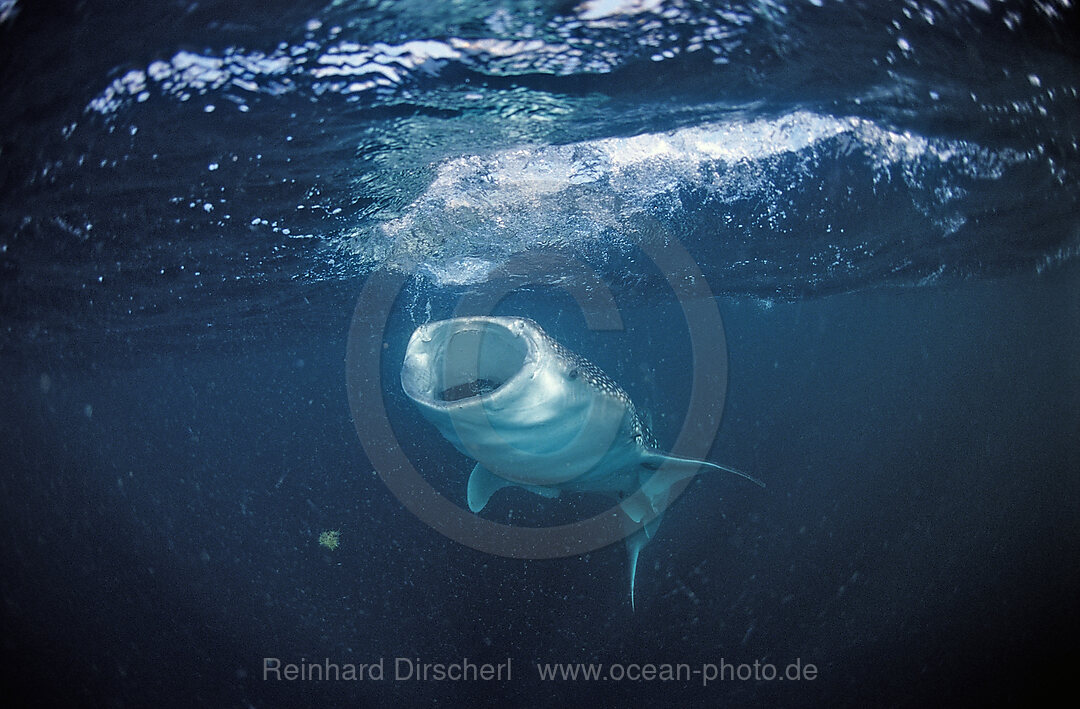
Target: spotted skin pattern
x=601, y=382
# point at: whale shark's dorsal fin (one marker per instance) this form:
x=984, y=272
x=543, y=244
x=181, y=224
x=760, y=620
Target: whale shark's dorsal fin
x=483, y=484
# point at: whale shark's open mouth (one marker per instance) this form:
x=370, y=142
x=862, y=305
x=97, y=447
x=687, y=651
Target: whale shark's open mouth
x=477, y=387
x=451, y=361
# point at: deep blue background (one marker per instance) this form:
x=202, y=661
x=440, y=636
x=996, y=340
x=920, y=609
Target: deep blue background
x=900, y=302
x=917, y=539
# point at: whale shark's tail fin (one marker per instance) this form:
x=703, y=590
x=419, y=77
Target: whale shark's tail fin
x=660, y=472
x=634, y=543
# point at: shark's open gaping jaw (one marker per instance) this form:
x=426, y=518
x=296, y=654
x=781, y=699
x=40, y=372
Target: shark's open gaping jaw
x=535, y=415
x=450, y=364
x=513, y=399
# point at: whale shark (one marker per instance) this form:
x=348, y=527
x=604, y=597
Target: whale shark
x=535, y=415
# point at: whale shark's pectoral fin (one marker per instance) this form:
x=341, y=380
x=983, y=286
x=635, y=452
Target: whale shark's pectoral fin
x=483, y=484
x=658, y=474
x=681, y=468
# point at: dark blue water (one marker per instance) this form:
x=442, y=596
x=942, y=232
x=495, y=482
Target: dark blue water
x=881, y=197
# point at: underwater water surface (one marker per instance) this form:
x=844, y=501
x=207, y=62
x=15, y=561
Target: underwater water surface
x=200, y=201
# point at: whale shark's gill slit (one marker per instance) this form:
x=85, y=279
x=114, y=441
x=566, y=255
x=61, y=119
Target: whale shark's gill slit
x=477, y=387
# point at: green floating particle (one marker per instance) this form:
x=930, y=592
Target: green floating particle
x=330, y=539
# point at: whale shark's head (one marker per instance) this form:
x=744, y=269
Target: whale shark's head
x=510, y=397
